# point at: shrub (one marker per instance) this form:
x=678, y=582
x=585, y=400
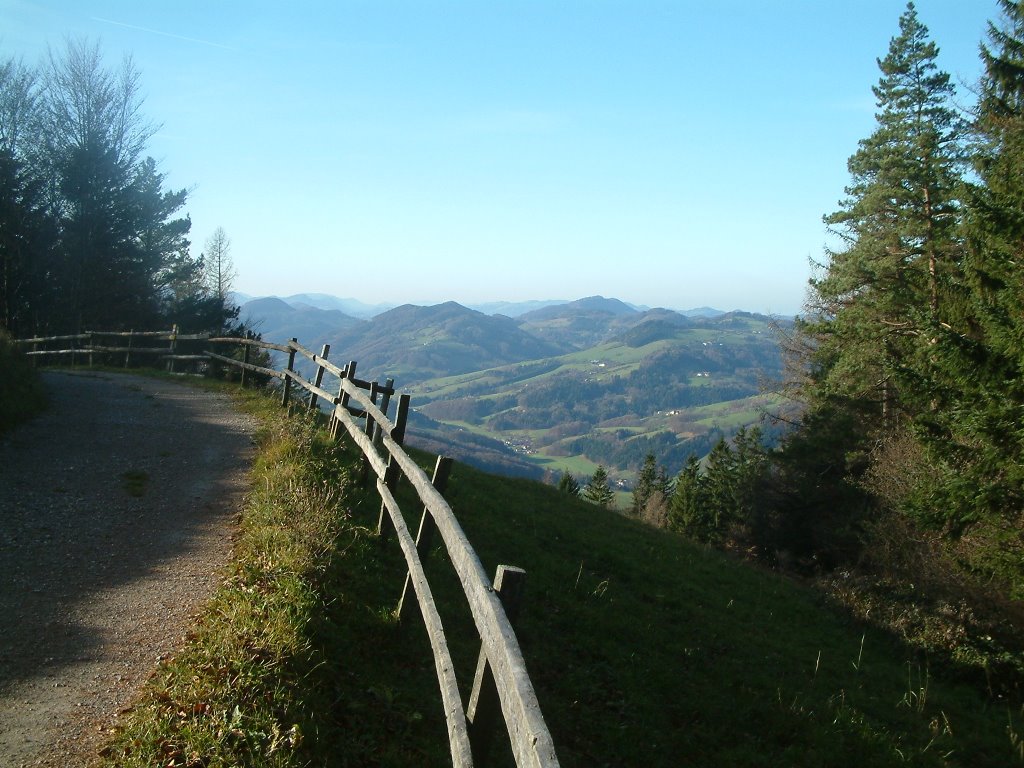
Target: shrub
x=21, y=391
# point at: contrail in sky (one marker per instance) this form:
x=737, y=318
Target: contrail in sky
x=165, y=34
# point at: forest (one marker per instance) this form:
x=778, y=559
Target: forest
x=90, y=236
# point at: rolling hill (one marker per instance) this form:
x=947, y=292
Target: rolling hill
x=567, y=386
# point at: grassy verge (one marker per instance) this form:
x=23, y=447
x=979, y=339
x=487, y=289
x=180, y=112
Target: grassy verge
x=644, y=649
x=21, y=392
x=297, y=659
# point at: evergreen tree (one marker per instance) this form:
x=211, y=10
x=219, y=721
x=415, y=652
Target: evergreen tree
x=118, y=231
x=597, y=490
x=645, y=485
x=885, y=302
x=984, y=362
x=568, y=484
x=876, y=308
x=27, y=232
x=689, y=508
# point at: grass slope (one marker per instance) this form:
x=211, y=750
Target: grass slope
x=644, y=649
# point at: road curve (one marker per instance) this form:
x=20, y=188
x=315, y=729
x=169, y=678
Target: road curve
x=116, y=516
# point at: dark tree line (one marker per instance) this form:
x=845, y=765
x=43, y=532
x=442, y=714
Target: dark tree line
x=90, y=237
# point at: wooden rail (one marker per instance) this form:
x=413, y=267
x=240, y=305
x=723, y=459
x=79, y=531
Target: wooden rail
x=88, y=344
x=501, y=684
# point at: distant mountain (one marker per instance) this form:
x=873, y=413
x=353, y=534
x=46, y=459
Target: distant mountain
x=702, y=312
x=351, y=307
x=514, y=308
x=569, y=384
x=582, y=323
x=664, y=384
x=412, y=343
x=278, y=321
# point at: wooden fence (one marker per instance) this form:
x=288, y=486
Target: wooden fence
x=501, y=686
x=107, y=347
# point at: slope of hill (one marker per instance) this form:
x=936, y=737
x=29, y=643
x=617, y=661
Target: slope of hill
x=667, y=385
x=565, y=387
x=644, y=649
x=648, y=650
x=412, y=343
x=352, y=307
x=278, y=321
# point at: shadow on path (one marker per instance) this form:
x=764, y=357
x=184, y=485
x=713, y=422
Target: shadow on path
x=115, y=523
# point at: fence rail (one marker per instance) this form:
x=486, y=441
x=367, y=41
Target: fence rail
x=501, y=683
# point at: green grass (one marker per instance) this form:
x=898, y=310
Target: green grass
x=644, y=648
x=648, y=650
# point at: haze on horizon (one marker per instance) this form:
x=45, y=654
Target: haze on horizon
x=666, y=154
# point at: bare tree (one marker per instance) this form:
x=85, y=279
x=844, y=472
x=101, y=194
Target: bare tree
x=219, y=270
x=18, y=102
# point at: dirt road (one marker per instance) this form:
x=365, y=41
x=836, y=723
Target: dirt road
x=116, y=512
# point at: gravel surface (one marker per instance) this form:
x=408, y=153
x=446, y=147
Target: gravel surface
x=116, y=516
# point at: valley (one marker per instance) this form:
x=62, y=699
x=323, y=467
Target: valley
x=564, y=387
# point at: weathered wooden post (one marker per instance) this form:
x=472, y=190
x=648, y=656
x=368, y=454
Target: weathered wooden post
x=369, y=428
x=245, y=360
x=128, y=352
x=389, y=387
x=174, y=346
x=288, y=373
x=484, y=705
x=349, y=372
x=425, y=535
x=319, y=376
x=393, y=471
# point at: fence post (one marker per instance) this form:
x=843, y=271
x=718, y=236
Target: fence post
x=343, y=396
x=425, y=535
x=287, y=375
x=245, y=359
x=369, y=429
x=389, y=386
x=128, y=354
x=319, y=376
x=484, y=706
x=174, y=346
x=393, y=471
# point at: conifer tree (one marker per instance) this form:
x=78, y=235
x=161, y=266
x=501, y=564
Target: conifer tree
x=645, y=485
x=985, y=364
x=568, y=484
x=597, y=490
x=688, y=508
x=875, y=308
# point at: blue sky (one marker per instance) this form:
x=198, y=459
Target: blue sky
x=670, y=154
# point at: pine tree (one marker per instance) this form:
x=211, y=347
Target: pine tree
x=875, y=309
x=986, y=442
x=645, y=485
x=688, y=508
x=568, y=484
x=597, y=490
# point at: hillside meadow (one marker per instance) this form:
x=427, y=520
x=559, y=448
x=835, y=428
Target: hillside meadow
x=644, y=648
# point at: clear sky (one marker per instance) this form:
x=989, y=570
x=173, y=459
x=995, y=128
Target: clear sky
x=670, y=154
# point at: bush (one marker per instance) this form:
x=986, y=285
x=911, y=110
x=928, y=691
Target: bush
x=21, y=391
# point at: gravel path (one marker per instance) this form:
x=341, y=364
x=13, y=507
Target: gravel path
x=116, y=515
